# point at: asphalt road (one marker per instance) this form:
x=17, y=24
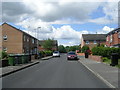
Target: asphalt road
x=54, y=73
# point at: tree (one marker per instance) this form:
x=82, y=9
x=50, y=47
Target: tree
x=48, y=44
x=61, y=49
x=67, y=48
x=84, y=48
x=72, y=48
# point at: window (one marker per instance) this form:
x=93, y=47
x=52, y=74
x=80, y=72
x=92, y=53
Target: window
x=87, y=42
x=111, y=38
x=107, y=39
x=24, y=38
x=33, y=41
x=95, y=42
x=27, y=39
x=5, y=49
x=118, y=34
x=5, y=37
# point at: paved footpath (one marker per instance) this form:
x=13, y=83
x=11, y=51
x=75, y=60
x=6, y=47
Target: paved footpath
x=105, y=72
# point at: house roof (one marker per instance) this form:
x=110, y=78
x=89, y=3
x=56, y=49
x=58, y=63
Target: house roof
x=18, y=30
x=92, y=37
x=113, y=31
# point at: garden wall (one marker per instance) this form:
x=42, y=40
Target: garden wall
x=96, y=58
x=81, y=54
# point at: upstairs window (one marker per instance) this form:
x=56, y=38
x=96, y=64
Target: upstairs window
x=87, y=42
x=33, y=41
x=24, y=38
x=5, y=37
x=107, y=39
x=27, y=39
x=118, y=34
x=111, y=38
x=95, y=42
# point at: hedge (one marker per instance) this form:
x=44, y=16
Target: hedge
x=105, y=51
x=45, y=53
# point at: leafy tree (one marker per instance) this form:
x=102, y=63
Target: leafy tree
x=48, y=44
x=74, y=48
x=61, y=49
x=67, y=48
x=3, y=55
x=84, y=48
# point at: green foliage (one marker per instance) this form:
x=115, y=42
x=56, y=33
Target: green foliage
x=3, y=55
x=61, y=49
x=67, y=48
x=48, y=53
x=106, y=60
x=45, y=53
x=105, y=51
x=74, y=48
x=84, y=48
x=48, y=44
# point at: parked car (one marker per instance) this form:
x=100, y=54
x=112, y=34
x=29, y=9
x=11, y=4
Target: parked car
x=56, y=54
x=72, y=56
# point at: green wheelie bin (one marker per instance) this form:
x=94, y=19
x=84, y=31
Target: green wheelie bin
x=11, y=60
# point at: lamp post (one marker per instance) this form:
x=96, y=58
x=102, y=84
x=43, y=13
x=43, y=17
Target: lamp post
x=37, y=31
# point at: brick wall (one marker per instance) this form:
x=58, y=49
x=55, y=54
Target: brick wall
x=0, y=38
x=14, y=39
x=81, y=54
x=115, y=39
x=91, y=43
x=96, y=58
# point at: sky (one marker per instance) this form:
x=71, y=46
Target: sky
x=61, y=20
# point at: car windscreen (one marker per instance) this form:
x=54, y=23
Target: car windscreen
x=71, y=53
x=56, y=52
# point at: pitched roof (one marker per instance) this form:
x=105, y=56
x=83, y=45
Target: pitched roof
x=18, y=30
x=90, y=37
x=113, y=31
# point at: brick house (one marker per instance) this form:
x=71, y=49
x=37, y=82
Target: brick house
x=55, y=45
x=113, y=38
x=93, y=40
x=16, y=41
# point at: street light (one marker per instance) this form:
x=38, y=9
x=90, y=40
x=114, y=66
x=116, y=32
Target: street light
x=37, y=38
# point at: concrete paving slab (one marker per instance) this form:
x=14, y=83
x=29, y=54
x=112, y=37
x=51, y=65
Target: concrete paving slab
x=109, y=73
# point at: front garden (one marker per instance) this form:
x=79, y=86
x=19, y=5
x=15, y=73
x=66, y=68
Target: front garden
x=105, y=52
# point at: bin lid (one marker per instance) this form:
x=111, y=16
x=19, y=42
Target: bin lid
x=114, y=53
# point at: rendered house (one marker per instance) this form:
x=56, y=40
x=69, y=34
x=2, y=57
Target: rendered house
x=113, y=38
x=93, y=40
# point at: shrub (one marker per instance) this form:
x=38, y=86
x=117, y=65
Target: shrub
x=84, y=48
x=105, y=51
x=41, y=53
x=48, y=53
x=3, y=55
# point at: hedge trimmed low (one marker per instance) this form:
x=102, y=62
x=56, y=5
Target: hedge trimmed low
x=105, y=51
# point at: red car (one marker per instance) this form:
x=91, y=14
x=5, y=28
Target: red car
x=72, y=56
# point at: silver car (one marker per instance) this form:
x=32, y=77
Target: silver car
x=56, y=54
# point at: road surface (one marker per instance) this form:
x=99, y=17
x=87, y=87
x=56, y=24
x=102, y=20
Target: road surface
x=54, y=73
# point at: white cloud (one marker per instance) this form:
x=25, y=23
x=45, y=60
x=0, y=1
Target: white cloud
x=66, y=35
x=107, y=29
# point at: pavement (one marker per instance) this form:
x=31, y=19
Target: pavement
x=105, y=72
x=56, y=72
x=11, y=69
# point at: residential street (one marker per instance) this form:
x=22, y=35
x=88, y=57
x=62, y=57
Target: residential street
x=54, y=73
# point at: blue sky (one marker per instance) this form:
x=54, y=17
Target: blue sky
x=65, y=22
